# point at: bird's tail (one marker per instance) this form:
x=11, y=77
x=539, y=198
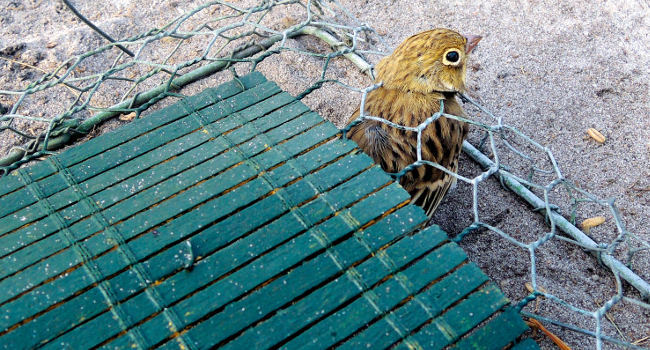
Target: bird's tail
x=429, y=195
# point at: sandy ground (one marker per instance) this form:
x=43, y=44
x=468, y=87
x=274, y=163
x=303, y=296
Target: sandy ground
x=551, y=69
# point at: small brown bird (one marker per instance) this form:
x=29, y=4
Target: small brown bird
x=425, y=69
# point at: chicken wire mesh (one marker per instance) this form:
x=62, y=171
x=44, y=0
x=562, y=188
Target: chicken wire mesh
x=239, y=37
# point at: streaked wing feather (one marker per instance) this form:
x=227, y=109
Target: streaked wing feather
x=429, y=195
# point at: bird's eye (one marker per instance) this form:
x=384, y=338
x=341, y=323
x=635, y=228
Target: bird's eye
x=452, y=56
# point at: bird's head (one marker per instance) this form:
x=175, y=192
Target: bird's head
x=427, y=62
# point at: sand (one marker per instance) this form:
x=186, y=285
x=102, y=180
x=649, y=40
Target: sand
x=551, y=69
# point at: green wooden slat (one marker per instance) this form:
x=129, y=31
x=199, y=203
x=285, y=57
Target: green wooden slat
x=112, y=176
x=107, y=197
x=58, y=263
x=10, y=183
x=183, y=283
x=458, y=320
x=135, y=147
x=61, y=287
x=165, y=210
x=230, y=229
x=100, y=143
x=326, y=298
x=354, y=163
x=13, y=202
x=329, y=296
x=115, y=156
x=244, y=250
x=98, y=146
x=411, y=315
x=117, y=257
x=496, y=334
x=36, y=330
x=372, y=177
x=526, y=344
x=180, y=285
x=47, y=326
x=164, y=116
x=182, y=149
x=103, y=162
x=360, y=313
x=116, y=193
x=160, y=213
x=309, y=274
x=236, y=254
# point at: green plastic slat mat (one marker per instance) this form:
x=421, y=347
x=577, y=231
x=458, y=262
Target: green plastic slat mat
x=235, y=218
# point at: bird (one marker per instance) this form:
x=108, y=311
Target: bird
x=425, y=69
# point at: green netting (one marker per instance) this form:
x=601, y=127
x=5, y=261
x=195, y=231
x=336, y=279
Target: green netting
x=237, y=37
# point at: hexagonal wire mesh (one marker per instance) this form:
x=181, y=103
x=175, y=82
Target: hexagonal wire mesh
x=225, y=35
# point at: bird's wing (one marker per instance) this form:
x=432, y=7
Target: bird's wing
x=428, y=195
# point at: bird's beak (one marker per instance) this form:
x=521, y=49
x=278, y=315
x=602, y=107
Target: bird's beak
x=472, y=40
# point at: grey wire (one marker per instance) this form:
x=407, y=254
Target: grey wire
x=95, y=28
